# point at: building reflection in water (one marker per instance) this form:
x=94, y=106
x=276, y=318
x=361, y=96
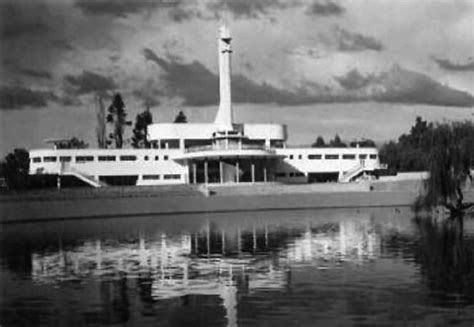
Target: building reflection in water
x=228, y=269
x=222, y=261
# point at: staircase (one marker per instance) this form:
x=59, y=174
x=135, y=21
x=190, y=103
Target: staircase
x=351, y=173
x=91, y=180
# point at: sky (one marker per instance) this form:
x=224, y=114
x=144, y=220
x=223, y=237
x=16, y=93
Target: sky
x=361, y=69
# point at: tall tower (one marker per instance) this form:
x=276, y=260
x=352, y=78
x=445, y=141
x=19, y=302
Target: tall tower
x=224, y=117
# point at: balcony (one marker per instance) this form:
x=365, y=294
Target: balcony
x=229, y=146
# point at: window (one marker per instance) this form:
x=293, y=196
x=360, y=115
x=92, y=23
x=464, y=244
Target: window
x=36, y=159
x=349, y=156
x=82, y=159
x=314, y=156
x=49, y=159
x=157, y=158
x=280, y=175
x=373, y=156
x=331, y=156
x=151, y=177
x=292, y=174
x=107, y=158
x=172, y=176
x=362, y=156
x=291, y=157
x=65, y=159
x=298, y=174
x=300, y=156
x=128, y=158
x=146, y=158
x=165, y=157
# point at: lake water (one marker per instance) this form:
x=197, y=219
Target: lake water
x=354, y=267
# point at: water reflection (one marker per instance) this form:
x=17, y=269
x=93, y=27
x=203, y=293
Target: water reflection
x=290, y=268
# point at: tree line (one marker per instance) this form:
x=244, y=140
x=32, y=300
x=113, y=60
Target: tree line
x=336, y=142
x=413, y=151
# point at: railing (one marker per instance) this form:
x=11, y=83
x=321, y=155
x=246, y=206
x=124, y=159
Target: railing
x=346, y=177
x=218, y=147
x=91, y=180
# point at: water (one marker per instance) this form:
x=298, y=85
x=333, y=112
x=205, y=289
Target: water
x=355, y=267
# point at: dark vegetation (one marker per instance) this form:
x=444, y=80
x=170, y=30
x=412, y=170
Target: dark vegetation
x=15, y=169
x=117, y=117
x=337, y=143
x=73, y=143
x=446, y=151
x=140, y=131
x=181, y=118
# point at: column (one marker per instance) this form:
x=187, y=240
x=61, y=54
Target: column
x=194, y=173
x=223, y=241
x=206, y=178
x=253, y=172
x=221, y=171
x=237, y=172
x=208, y=238
x=265, y=174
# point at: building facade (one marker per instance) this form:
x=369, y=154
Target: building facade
x=218, y=152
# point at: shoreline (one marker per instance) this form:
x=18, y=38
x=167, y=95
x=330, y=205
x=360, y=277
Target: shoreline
x=168, y=205
x=188, y=200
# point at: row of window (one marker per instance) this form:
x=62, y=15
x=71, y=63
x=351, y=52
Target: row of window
x=158, y=177
x=82, y=159
x=292, y=174
x=333, y=156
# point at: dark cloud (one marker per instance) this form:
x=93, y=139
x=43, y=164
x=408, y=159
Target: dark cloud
x=198, y=86
x=455, y=66
x=35, y=73
x=63, y=45
x=246, y=8
x=349, y=41
x=178, y=10
x=17, y=97
x=325, y=8
x=33, y=35
x=148, y=97
x=118, y=8
x=15, y=23
x=405, y=86
x=400, y=85
x=354, y=80
x=89, y=82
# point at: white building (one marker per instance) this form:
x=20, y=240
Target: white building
x=219, y=152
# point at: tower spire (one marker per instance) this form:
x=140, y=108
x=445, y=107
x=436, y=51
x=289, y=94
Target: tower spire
x=224, y=117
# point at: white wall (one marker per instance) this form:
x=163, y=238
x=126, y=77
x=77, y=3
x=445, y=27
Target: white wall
x=97, y=168
x=325, y=165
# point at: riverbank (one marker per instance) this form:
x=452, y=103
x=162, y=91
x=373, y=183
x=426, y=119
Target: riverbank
x=188, y=199
x=16, y=211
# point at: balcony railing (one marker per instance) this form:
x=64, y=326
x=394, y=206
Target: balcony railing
x=231, y=146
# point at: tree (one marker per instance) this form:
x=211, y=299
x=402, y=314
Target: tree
x=319, y=142
x=117, y=116
x=412, y=151
x=449, y=168
x=389, y=154
x=337, y=143
x=364, y=143
x=100, y=128
x=181, y=118
x=16, y=168
x=140, y=131
x=73, y=143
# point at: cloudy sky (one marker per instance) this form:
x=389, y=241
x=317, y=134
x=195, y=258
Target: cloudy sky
x=361, y=68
